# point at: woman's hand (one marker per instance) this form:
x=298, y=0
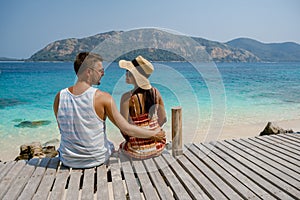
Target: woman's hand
x=160, y=136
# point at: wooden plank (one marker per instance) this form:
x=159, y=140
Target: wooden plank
x=47, y=181
x=293, y=136
x=228, y=164
x=74, y=184
x=277, y=156
x=7, y=166
x=34, y=180
x=157, y=179
x=130, y=180
x=146, y=185
x=287, y=144
x=59, y=186
x=179, y=191
x=10, y=177
x=272, y=160
x=275, y=184
x=277, y=151
x=252, y=156
x=102, y=183
x=280, y=148
x=238, y=186
x=2, y=166
x=288, y=139
x=117, y=183
x=208, y=189
x=88, y=184
x=21, y=180
x=189, y=183
x=245, y=170
x=214, y=178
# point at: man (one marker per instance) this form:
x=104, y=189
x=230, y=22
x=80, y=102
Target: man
x=81, y=111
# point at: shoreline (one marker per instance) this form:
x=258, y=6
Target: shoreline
x=228, y=132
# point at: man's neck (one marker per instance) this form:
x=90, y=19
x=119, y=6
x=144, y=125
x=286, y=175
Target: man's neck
x=79, y=87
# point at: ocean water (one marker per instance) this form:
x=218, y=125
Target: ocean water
x=211, y=96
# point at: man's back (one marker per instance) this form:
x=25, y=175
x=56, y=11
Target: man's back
x=83, y=138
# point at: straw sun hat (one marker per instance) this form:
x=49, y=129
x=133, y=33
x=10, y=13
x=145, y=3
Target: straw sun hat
x=141, y=69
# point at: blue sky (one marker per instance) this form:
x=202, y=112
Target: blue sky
x=28, y=26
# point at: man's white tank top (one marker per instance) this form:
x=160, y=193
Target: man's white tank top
x=83, y=137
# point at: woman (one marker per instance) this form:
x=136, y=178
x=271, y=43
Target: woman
x=142, y=106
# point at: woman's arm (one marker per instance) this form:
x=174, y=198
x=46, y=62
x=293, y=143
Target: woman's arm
x=124, y=105
x=161, y=112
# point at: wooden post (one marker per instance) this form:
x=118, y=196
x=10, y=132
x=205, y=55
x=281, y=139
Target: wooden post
x=176, y=131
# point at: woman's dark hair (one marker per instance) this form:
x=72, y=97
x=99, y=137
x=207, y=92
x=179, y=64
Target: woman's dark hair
x=150, y=99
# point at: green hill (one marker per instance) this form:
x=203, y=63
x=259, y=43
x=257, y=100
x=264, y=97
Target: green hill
x=163, y=47
x=269, y=52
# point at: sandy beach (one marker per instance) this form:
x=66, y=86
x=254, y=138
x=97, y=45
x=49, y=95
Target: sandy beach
x=252, y=130
x=228, y=132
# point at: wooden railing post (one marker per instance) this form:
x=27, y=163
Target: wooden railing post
x=176, y=131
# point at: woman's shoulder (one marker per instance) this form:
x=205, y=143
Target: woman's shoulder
x=126, y=96
x=155, y=90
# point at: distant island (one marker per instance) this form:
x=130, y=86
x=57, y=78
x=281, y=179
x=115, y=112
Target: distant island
x=10, y=59
x=237, y=50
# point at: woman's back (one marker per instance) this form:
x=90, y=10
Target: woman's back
x=143, y=112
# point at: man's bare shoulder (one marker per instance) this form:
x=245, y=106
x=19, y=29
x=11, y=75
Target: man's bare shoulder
x=102, y=96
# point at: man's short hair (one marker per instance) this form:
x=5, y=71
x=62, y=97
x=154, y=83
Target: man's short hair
x=86, y=59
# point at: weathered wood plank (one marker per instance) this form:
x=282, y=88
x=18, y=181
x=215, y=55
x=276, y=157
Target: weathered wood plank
x=254, y=158
x=10, y=177
x=146, y=185
x=208, y=189
x=277, y=151
x=288, y=144
x=293, y=136
x=243, y=167
x=280, y=148
x=130, y=180
x=271, y=153
x=157, y=179
x=8, y=166
x=275, y=183
x=88, y=184
x=224, y=175
x=227, y=163
x=179, y=192
x=19, y=182
x=216, y=180
x=59, y=186
x=47, y=181
x=189, y=183
x=74, y=184
x=34, y=180
x=272, y=160
x=117, y=182
x=2, y=166
x=290, y=140
x=102, y=183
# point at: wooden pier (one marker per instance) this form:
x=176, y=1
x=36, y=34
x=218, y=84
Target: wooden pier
x=265, y=167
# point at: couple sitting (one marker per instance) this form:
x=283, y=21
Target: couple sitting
x=81, y=111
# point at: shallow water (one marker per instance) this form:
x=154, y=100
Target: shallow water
x=210, y=95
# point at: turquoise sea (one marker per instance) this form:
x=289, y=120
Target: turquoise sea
x=211, y=96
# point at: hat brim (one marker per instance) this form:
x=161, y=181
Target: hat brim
x=141, y=80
